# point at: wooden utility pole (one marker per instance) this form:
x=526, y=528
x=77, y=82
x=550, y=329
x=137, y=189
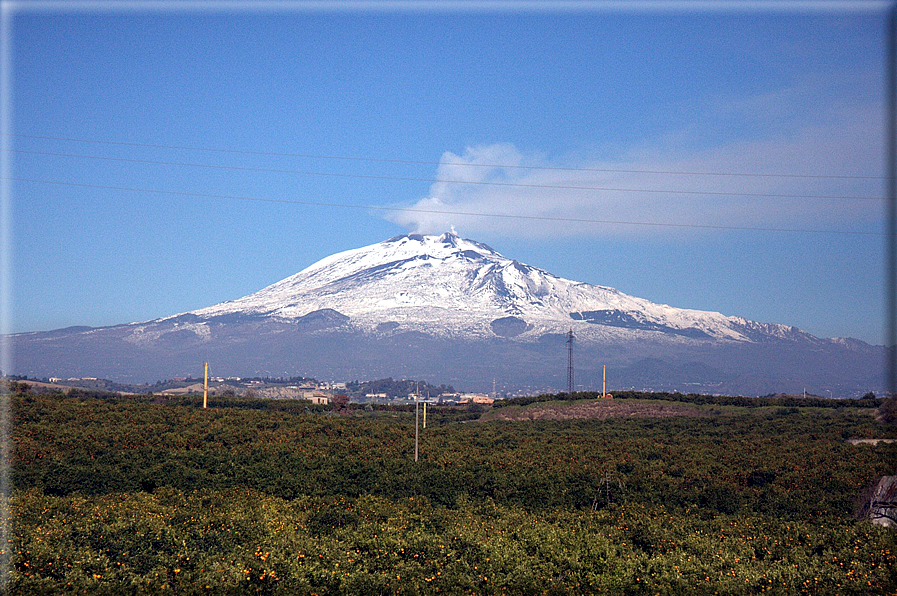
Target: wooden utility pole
x=205, y=386
x=603, y=380
x=425, y=415
x=416, y=432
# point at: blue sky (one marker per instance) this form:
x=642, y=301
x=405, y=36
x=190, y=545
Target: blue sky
x=751, y=93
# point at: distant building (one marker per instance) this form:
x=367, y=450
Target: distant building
x=475, y=398
x=375, y=395
x=320, y=398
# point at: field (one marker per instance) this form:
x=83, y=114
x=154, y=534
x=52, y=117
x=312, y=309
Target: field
x=601, y=409
x=128, y=496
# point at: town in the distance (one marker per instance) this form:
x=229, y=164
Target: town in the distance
x=381, y=391
x=386, y=391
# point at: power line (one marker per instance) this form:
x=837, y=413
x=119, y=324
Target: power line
x=444, y=212
x=438, y=163
x=447, y=181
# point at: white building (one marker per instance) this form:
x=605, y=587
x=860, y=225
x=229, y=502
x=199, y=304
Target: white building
x=475, y=398
x=319, y=398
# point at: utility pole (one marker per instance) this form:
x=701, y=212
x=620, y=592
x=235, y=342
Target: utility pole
x=603, y=380
x=205, y=386
x=570, y=361
x=607, y=485
x=415, y=426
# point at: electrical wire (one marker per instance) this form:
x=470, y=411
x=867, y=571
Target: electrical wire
x=447, y=181
x=442, y=212
x=438, y=163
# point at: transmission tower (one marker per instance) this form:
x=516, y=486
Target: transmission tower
x=570, y=361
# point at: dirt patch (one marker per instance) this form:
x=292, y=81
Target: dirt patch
x=601, y=409
x=872, y=442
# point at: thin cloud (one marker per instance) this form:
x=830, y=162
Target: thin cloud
x=846, y=141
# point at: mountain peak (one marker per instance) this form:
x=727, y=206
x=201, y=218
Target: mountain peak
x=445, y=285
x=439, y=246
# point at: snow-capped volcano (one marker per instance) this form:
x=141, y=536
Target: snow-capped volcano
x=453, y=310
x=453, y=287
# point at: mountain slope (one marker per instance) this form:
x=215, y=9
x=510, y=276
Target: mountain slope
x=456, y=311
x=451, y=287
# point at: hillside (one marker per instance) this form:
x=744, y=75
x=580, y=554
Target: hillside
x=454, y=309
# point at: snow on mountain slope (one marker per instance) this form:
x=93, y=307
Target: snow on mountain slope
x=452, y=287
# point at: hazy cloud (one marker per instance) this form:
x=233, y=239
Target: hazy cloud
x=844, y=141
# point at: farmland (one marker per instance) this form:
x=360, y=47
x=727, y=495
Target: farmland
x=124, y=495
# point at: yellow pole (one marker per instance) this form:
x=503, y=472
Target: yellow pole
x=425, y=414
x=205, y=386
x=603, y=380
